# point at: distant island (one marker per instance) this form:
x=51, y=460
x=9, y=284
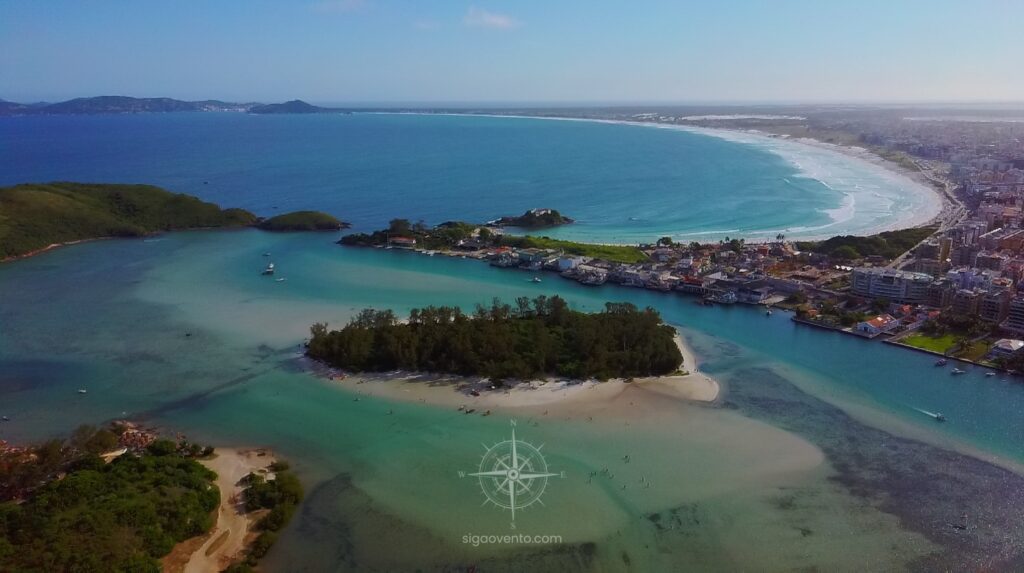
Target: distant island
x=534, y=219
x=302, y=221
x=125, y=104
x=37, y=216
x=294, y=106
x=531, y=339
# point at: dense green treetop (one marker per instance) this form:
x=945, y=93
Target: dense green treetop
x=98, y=517
x=33, y=216
x=889, y=244
x=302, y=221
x=531, y=339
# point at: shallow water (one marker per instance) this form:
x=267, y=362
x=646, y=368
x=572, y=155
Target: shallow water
x=185, y=333
x=622, y=183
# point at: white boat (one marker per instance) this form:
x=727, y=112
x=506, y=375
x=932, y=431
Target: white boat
x=956, y=371
x=281, y=280
x=990, y=374
x=82, y=390
x=266, y=254
x=535, y=279
x=269, y=270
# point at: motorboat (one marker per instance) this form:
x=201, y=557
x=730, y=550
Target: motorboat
x=269, y=270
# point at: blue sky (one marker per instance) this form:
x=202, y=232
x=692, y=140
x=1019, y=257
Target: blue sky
x=515, y=51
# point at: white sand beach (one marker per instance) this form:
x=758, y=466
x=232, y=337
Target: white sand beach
x=563, y=395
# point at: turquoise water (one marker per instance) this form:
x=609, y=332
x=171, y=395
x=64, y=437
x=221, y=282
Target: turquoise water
x=813, y=458
x=623, y=183
x=741, y=481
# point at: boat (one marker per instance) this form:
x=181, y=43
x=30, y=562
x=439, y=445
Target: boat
x=940, y=362
x=990, y=374
x=266, y=254
x=956, y=371
x=4, y=419
x=269, y=270
x=280, y=280
x=535, y=279
x=82, y=390
x=768, y=312
x=937, y=416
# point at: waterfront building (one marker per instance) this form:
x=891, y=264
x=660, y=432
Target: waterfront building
x=940, y=293
x=897, y=286
x=1015, y=315
x=1006, y=347
x=965, y=301
x=878, y=325
x=994, y=304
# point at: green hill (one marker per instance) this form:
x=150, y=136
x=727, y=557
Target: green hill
x=34, y=216
x=302, y=221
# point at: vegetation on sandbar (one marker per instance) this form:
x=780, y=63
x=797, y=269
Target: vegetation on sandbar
x=281, y=496
x=531, y=339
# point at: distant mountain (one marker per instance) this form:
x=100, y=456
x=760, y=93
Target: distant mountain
x=119, y=104
x=294, y=106
x=125, y=104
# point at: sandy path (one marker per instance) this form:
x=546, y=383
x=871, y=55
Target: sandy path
x=227, y=538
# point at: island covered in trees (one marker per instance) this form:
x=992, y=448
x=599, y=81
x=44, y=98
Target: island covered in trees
x=531, y=339
x=36, y=216
x=302, y=221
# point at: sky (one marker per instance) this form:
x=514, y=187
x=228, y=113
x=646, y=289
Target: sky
x=525, y=51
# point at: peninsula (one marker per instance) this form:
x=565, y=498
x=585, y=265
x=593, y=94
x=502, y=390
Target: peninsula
x=39, y=216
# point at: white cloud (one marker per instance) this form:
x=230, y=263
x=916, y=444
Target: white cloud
x=339, y=6
x=480, y=18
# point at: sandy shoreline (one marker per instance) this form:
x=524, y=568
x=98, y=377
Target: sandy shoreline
x=227, y=540
x=553, y=395
x=938, y=200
